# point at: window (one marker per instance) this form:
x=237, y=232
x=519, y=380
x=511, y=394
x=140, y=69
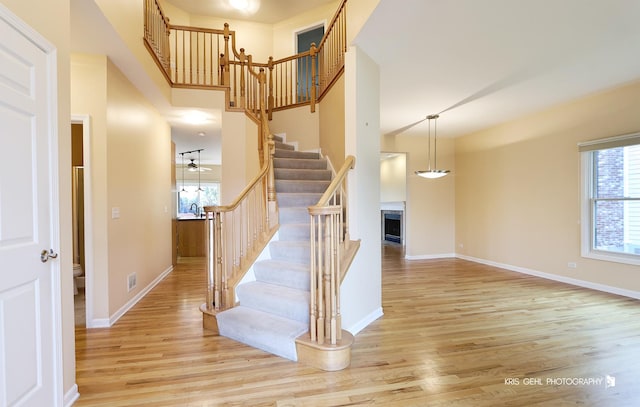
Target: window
x=611, y=199
x=190, y=197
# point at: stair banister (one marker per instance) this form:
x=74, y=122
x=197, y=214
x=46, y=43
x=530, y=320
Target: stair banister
x=236, y=233
x=329, y=242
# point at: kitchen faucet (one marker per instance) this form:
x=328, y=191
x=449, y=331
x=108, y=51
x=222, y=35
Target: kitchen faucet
x=197, y=209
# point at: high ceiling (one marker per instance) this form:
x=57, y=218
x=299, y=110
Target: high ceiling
x=261, y=11
x=478, y=63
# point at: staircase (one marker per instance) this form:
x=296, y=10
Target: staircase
x=274, y=310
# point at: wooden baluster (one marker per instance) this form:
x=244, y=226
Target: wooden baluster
x=222, y=61
x=210, y=258
x=218, y=259
x=243, y=61
x=326, y=277
x=333, y=253
x=320, y=283
x=313, y=330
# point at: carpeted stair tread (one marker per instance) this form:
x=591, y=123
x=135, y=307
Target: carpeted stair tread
x=308, y=163
x=295, y=231
x=275, y=299
x=279, y=145
x=283, y=273
x=268, y=332
x=285, y=185
x=304, y=199
x=293, y=251
x=294, y=214
x=302, y=174
x=282, y=153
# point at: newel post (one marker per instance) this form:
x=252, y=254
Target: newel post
x=271, y=97
x=225, y=79
x=313, y=52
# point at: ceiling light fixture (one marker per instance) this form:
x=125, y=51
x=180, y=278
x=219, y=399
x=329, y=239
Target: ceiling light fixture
x=242, y=5
x=432, y=173
x=195, y=117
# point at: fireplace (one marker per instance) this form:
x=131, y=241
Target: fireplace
x=392, y=226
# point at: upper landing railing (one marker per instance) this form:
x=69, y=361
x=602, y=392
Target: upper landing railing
x=208, y=58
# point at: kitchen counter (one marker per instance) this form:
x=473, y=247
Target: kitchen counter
x=191, y=242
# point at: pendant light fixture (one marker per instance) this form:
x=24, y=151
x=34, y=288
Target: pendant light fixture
x=199, y=171
x=183, y=190
x=432, y=173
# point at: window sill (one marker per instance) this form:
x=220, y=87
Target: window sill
x=613, y=257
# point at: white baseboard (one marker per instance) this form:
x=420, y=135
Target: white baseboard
x=364, y=322
x=107, y=322
x=431, y=256
x=133, y=301
x=555, y=277
x=99, y=323
x=71, y=396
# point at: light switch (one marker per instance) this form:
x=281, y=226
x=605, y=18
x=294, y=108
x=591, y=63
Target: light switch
x=115, y=212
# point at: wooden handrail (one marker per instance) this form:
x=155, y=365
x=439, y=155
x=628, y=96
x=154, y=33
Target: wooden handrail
x=329, y=241
x=236, y=233
x=349, y=164
x=198, y=57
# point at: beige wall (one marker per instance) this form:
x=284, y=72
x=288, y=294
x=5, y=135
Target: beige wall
x=284, y=42
x=139, y=184
x=51, y=19
x=393, y=179
x=518, y=188
x=300, y=125
x=255, y=38
x=127, y=18
x=358, y=13
x=430, y=208
x=332, y=123
x=89, y=97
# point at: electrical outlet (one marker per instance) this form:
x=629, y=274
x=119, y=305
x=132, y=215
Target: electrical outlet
x=131, y=281
x=572, y=265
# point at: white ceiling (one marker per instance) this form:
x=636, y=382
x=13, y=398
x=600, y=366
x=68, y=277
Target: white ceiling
x=478, y=63
x=262, y=11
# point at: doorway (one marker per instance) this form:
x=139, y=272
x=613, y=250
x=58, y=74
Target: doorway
x=81, y=210
x=304, y=39
x=393, y=197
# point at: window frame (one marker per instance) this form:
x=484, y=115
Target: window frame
x=588, y=200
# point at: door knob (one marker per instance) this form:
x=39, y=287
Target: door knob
x=46, y=255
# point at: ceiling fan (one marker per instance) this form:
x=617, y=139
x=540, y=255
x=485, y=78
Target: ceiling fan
x=192, y=166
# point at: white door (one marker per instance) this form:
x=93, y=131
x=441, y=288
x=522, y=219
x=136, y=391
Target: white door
x=30, y=337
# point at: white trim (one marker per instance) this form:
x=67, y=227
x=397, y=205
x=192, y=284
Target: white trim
x=586, y=215
x=307, y=28
x=555, y=277
x=364, y=322
x=431, y=256
x=71, y=396
x=98, y=323
x=140, y=295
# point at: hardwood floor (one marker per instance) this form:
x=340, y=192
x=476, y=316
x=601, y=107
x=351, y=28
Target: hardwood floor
x=454, y=333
